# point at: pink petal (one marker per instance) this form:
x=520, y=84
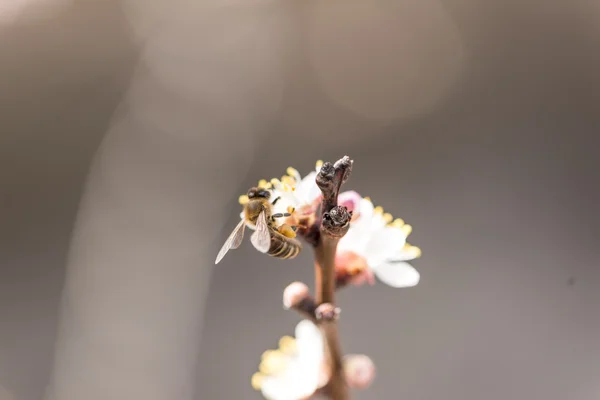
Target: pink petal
x=350, y=199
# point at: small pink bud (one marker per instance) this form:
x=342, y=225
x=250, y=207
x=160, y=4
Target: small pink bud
x=359, y=371
x=294, y=294
x=327, y=312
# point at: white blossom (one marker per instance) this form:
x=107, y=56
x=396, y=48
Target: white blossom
x=295, y=370
x=376, y=244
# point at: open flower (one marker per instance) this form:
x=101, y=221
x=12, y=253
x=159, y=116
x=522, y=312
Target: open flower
x=295, y=370
x=304, y=191
x=294, y=193
x=375, y=245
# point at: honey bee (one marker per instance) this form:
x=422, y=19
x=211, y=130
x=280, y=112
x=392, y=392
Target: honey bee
x=276, y=241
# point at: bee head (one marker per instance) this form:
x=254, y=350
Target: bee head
x=255, y=192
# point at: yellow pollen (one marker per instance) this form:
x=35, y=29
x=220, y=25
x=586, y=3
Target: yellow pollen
x=291, y=209
x=267, y=354
x=273, y=363
x=378, y=210
x=387, y=217
x=243, y=199
x=287, y=344
x=288, y=180
x=319, y=164
x=292, y=171
x=368, y=198
x=257, y=380
x=412, y=250
x=417, y=251
x=407, y=229
x=275, y=181
x=398, y=223
x=262, y=183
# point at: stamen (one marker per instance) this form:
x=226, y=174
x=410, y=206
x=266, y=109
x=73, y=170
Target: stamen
x=398, y=223
x=387, y=217
x=267, y=354
x=275, y=181
x=293, y=172
x=257, y=380
x=290, y=209
x=413, y=250
x=368, y=199
x=319, y=164
x=262, y=183
x=288, y=180
x=378, y=210
x=273, y=363
x=243, y=199
x=417, y=251
x=287, y=344
x=407, y=229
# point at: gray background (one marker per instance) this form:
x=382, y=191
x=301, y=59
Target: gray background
x=500, y=181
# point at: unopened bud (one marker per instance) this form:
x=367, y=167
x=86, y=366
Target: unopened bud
x=294, y=294
x=328, y=312
x=359, y=371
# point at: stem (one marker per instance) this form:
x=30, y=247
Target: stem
x=334, y=223
x=325, y=284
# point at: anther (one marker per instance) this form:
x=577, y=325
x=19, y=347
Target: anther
x=257, y=380
x=398, y=223
x=243, y=199
x=287, y=344
x=293, y=172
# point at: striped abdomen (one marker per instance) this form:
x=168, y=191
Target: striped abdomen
x=283, y=247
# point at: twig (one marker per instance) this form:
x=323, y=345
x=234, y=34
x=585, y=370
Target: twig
x=333, y=223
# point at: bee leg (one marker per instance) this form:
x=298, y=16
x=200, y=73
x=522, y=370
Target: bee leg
x=276, y=200
x=287, y=230
x=280, y=215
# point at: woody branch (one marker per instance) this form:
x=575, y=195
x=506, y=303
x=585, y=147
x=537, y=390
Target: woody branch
x=333, y=223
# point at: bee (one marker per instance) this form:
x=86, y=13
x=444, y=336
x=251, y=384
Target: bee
x=276, y=241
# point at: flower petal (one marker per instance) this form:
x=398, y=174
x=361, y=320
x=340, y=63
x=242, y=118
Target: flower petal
x=309, y=340
x=275, y=388
x=365, y=210
x=351, y=200
x=398, y=274
x=307, y=190
x=407, y=253
x=383, y=245
x=355, y=240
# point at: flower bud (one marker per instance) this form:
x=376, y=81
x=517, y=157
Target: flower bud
x=327, y=312
x=294, y=294
x=359, y=371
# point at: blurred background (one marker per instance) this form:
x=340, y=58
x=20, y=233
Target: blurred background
x=129, y=128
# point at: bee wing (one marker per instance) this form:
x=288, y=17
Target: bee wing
x=233, y=241
x=261, y=238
